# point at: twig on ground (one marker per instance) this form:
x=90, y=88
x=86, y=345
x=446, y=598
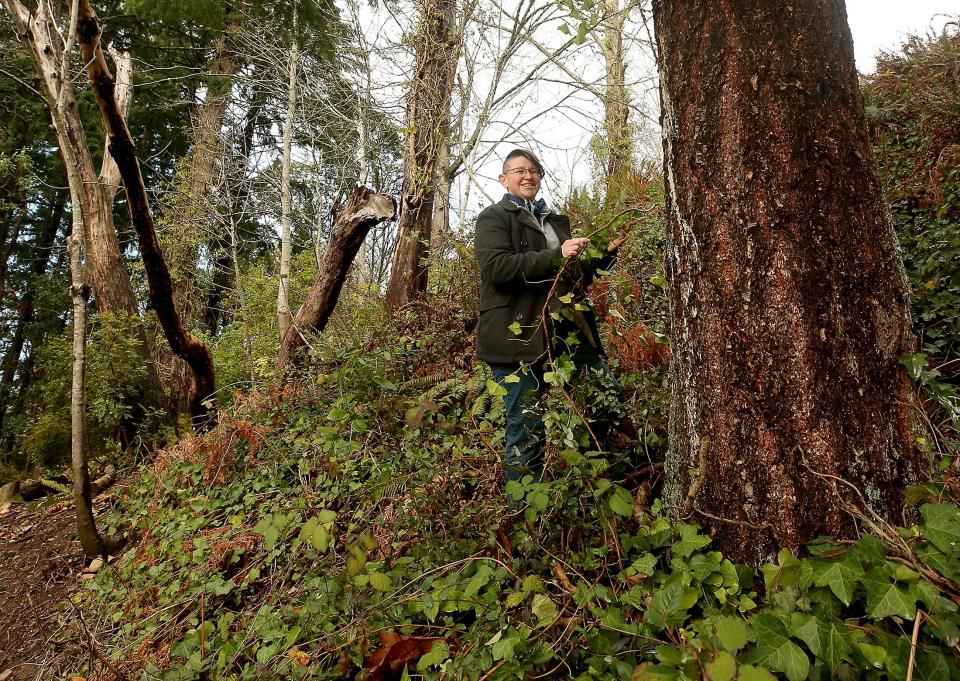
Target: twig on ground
x=913, y=644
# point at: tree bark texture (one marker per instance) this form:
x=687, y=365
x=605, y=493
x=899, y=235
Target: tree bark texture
x=437, y=45
x=616, y=99
x=362, y=211
x=788, y=299
x=185, y=212
x=284, y=317
x=183, y=344
x=105, y=268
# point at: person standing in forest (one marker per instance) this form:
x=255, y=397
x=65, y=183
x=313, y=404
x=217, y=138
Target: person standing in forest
x=520, y=246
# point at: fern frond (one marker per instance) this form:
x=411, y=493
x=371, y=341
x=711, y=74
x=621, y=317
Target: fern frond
x=421, y=382
x=56, y=486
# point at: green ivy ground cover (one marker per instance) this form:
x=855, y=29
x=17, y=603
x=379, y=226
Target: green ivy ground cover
x=314, y=519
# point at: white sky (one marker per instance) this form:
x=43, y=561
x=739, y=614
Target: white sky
x=884, y=24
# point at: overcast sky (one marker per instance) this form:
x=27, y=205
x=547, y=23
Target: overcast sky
x=883, y=24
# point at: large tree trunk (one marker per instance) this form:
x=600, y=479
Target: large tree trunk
x=363, y=211
x=788, y=300
x=428, y=119
x=185, y=212
x=184, y=344
x=105, y=269
x=108, y=275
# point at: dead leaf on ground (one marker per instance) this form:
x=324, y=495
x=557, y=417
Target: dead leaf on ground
x=396, y=652
x=298, y=657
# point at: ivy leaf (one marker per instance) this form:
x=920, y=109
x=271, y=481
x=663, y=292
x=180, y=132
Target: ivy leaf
x=503, y=649
x=380, y=581
x=732, y=633
x=516, y=328
x=941, y=525
x=477, y=582
x=932, y=666
x=438, y=653
x=670, y=604
x=750, y=673
x=775, y=650
x=621, y=502
x=544, y=610
x=723, y=668
x=869, y=549
x=840, y=575
x=690, y=541
x=874, y=655
x=356, y=559
x=885, y=598
x=651, y=672
x=496, y=389
x=824, y=639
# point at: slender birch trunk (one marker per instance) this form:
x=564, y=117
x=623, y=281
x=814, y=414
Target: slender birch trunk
x=284, y=317
x=79, y=291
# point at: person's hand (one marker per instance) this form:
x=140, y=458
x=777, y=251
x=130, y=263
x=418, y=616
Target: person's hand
x=571, y=248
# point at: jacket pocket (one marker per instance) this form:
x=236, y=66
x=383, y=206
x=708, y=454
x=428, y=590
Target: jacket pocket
x=494, y=299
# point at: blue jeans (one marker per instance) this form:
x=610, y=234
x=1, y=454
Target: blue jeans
x=525, y=434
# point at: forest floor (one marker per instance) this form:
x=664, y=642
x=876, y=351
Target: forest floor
x=40, y=565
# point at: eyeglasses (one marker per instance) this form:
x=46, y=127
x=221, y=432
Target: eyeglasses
x=532, y=172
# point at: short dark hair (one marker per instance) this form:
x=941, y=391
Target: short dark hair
x=525, y=153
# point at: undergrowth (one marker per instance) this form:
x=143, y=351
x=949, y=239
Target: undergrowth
x=354, y=525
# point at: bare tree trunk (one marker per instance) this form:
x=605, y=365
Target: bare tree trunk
x=428, y=119
x=184, y=344
x=108, y=276
x=788, y=300
x=362, y=211
x=283, y=303
x=86, y=524
x=616, y=99
x=186, y=209
x=185, y=212
x=238, y=285
x=440, y=220
x=104, y=262
x=12, y=223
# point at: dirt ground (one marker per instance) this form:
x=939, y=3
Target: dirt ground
x=40, y=563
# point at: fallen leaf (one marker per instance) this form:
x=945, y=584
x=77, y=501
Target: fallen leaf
x=396, y=652
x=298, y=657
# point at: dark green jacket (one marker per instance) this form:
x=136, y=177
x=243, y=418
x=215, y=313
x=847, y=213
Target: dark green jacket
x=516, y=273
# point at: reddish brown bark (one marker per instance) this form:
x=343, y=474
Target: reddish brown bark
x=105, y=267
x=362, y=211
x=184, y=344
x=428, y=118
x=186, y=210
x=788, y=297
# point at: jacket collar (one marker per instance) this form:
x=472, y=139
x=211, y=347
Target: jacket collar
x=535, y=208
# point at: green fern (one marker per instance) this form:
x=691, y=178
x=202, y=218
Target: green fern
x=421, y=382
x=56, y=486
